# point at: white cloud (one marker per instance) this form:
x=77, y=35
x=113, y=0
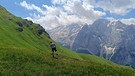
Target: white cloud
x=59, y=2
x=31, y=7
x=52, y=10
x=120, y=7
x=129, y=21
x=65, y=12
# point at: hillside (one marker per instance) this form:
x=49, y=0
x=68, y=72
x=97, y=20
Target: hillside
x=25, y=51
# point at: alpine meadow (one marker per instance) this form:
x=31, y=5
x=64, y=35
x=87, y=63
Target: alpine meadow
x=25, y=51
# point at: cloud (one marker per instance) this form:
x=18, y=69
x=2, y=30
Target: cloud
x=31, y=7
x=60, y=2
x=120, y=7
x=66, y=12
x=62, y=12
x=129, y=21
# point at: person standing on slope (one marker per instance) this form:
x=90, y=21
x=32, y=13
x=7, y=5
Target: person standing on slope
x=53, y=46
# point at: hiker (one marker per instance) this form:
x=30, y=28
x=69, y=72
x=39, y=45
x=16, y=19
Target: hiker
x=53, y=46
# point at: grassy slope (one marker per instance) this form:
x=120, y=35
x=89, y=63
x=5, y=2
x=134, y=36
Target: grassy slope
x=26, y=53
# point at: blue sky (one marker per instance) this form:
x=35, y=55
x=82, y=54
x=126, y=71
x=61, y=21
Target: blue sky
x=15, y=8
x=53, y=13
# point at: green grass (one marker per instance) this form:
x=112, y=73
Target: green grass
x=25, y=62
x=27, y=54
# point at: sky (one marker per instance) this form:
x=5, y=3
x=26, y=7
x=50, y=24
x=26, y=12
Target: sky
x=53, y=13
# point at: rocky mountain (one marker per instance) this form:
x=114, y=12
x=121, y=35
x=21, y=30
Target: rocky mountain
x=112, y=40
x=65, y=35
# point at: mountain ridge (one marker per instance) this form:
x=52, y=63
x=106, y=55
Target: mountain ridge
x=110, y=39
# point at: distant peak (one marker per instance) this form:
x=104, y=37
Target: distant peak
x=99, y=21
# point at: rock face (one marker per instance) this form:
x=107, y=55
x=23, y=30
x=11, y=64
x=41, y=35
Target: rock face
x=20, y=29
x=114, y=41
x=65, y=35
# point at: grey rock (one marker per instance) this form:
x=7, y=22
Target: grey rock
x=112, y=40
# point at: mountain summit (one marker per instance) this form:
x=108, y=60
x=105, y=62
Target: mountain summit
x=110, y=39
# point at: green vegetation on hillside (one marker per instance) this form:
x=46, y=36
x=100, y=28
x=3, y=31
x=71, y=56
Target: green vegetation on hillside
x=25, y=62
x=25, y=51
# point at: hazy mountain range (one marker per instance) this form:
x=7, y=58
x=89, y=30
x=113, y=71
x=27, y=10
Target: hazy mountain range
x=65, y=35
